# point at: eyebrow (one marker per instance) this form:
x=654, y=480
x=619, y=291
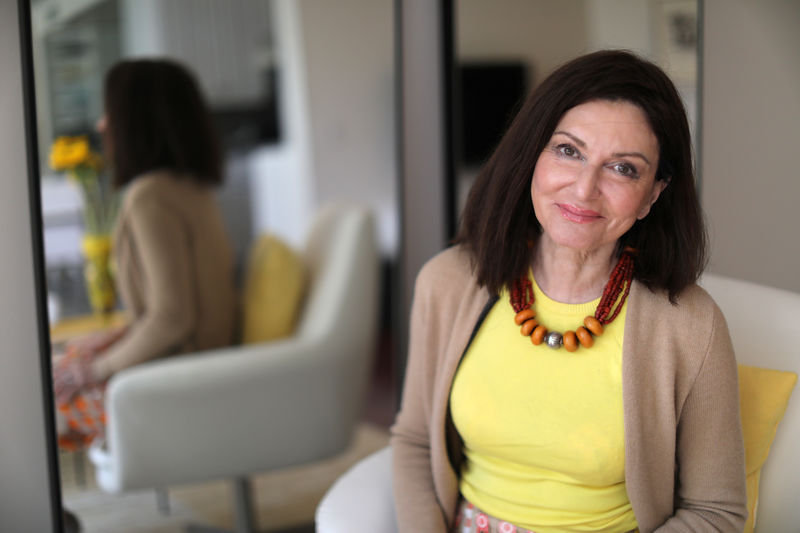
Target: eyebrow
x=582, y=144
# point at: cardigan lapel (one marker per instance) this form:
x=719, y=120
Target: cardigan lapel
x=648, y=400
x=472, y=310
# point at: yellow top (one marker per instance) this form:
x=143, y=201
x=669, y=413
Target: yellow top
x=543, y=429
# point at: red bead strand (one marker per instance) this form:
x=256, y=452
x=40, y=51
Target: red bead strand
x=615, y=292
x=521, y=294
x=618, y=283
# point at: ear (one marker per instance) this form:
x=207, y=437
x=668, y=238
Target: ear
x=658, y=187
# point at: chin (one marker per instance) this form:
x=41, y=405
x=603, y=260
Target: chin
x=573, y=239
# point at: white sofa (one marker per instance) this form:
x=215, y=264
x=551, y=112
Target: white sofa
x=765, y=327
x=231, y=412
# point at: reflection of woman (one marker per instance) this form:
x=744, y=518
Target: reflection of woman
x=583, y=231
x=174, y=262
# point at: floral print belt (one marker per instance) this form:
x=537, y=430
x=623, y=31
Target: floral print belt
x=470, y=519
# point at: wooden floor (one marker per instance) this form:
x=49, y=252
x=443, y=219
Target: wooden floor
x=285, y=500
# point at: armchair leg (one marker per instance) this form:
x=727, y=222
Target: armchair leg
x=162, y=501
x=243, y=505
x=79, y=467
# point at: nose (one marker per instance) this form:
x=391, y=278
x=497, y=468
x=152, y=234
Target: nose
x=587, y=181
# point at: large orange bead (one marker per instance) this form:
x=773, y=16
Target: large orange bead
x=585, y=337
x=538, y=335
x=593, y=325
x=570, y=341
x=524, y=315
x=527, y=327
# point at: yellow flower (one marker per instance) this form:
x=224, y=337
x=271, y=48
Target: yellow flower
x=70, y=152
x=73, y=157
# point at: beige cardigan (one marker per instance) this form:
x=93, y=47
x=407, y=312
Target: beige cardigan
x=684, y=455
x=174, y=272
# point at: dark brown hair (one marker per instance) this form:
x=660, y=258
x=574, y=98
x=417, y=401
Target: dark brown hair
x=498, y=220
x=157, y=119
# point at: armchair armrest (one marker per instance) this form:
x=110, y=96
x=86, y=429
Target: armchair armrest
x=361, y=501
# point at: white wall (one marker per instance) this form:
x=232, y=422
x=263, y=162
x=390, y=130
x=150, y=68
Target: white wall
x=224, y=43
x=751, y=115
x=141, y=28
x=349, y=62
x=337, y=118
x=620, y=24
x=541, y=33
x=282, y=191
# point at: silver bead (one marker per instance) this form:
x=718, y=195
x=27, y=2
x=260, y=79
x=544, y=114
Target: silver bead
x=553, y=340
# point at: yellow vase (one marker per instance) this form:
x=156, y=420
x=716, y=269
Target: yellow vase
x=97, y=271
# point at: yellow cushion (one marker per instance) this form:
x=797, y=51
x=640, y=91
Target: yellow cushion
x=273, y=290
x=763, y=395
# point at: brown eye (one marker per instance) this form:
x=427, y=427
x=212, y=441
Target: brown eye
x=626, y=169
x=568, y=150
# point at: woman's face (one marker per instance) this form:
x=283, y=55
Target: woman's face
x=102, y=128
x=596, y=176
x=101, y=124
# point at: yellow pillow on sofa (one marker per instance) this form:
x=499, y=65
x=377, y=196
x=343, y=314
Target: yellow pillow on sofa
x=273, y=290
x=763, y=396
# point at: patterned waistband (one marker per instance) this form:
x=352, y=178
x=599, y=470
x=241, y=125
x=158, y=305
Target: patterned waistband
x=470, y=519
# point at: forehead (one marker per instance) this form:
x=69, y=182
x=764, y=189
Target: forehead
x=605, y=118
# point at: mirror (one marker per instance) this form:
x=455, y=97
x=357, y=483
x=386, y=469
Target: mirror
x=498, y=64
x=302, y=96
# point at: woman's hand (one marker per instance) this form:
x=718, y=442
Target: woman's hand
x=71, y=373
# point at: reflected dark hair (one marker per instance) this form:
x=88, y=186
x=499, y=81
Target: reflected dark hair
x=157, y=119
x=499, y=221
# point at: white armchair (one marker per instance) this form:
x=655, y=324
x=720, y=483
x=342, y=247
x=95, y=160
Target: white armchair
x=764, y=327
x=231, y=412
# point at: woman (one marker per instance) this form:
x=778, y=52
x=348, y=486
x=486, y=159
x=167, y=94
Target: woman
x=584, y=233
x=173, y=259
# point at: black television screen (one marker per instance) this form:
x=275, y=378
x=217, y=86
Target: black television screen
x=490, y=93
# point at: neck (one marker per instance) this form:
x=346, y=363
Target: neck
x=571, y=276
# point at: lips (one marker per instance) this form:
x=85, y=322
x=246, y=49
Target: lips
x=576, y=214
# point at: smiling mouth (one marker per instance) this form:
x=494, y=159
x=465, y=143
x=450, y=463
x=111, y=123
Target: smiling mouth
x=575, y=214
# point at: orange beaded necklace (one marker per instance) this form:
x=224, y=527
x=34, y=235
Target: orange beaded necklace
x=617, y=288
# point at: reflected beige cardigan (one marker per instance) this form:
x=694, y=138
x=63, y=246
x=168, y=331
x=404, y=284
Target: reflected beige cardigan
x=684, y=455
x=174, y=272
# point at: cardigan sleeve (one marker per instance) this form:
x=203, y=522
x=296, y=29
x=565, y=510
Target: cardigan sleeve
x=162, y=246
x=414, y=492
x=710, y=494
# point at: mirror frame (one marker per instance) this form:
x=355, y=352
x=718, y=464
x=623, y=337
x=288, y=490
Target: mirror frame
x=31, y=496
